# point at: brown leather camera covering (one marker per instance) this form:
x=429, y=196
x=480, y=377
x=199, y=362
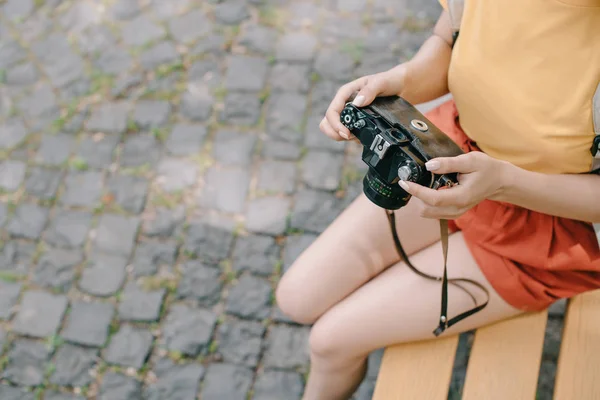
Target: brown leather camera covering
x=433, y=142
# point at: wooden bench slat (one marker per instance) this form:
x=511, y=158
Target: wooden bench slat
x=578, y=370
x=505, y=359
x=417, y=370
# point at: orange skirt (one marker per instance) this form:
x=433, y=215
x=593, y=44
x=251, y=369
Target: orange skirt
x=531, y=259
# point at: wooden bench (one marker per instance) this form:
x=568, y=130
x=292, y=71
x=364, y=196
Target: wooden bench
x=504, y=362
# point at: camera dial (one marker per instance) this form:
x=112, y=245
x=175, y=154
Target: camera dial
x=404, y=173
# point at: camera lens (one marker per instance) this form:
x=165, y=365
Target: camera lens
x=390, y=197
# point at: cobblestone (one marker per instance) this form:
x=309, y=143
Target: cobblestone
x=161, y=165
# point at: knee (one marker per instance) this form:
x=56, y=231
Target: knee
x=329, y=344
x=292, y=300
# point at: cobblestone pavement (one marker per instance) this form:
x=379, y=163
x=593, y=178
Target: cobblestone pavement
x=160, y=167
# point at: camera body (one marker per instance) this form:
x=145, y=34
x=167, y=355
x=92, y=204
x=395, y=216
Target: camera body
x=398, y=140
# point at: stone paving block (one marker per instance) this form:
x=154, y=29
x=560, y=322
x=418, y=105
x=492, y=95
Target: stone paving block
x=113, y=61
x=294, y=246
x=129, y=192
x=43, y=183
x=285, y=116
x=88, y=323
x=162, y=53
x=255, y=253
x=68, y=228
x=314, y=210
x=197, y=102
x=287, y=347
x=12, y=133
x=214, y=44
x=277, y=177
x=56, y=268
x=28, y=221
x=55, y=149
x=190, y=26
x=16, y=256
x=259, y=39
x=125, y=9
x=73, y=366
x=97, y=151
x=246, y=73
x=129, y=347
x=116, y=234
x=26, y=362
x=225, y=189
x=200, y=283
x=188, y=330
x=8, y=392
x=209, y=239
x=164, y=222
x=18, y=9
x=272, y=385
x=175, y=175
x=231, y=13
x=151, y=113
x=234, y=147
x=175, y=382
x=3, y=214
x=240, y=342
x=115, y=386
x=250, y=298
x=241, y=109
x=280, y=150
x=9, y=295
x=21, y=75
x=186, y=139
x=334, y=65
x=103, y=275
x=226, y=381
x=314, y=138
x=82, y=188
x=40, y=314
x=12, y=174
x=55, y=395
x=140, y=149
x=267, y=215
x=109, y=118
x=138, y=305
x=290, y=77
x=205, y=71
x=150, y=256
x=322, y=169
x=296, y=47
x=141, y=30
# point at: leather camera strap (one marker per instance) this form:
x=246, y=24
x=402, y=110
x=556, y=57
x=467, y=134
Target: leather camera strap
x=444, y=322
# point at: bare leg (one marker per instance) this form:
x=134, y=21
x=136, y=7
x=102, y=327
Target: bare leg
x=396, y=306
x=356, y=247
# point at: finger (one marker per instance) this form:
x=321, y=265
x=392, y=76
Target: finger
x=329, y=131
x=463, y=163
x=369, y=92
x=441, y=212
x=453, y=196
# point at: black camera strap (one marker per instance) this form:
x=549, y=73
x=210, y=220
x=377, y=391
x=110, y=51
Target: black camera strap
x=444, y=323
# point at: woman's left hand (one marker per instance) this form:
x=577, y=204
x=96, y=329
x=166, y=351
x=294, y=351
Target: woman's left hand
x=480, y=177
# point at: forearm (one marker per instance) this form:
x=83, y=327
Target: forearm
x=425, y=76
x=569, y=196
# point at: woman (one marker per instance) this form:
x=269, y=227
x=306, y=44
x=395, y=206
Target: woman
x=523, y=76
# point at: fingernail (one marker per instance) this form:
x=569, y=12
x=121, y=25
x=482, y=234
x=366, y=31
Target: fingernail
x=403, y=185
x=343, y=134
x=432, y=165
x=358, y=101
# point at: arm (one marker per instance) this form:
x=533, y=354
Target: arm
x=569, y=196
x=423, y=78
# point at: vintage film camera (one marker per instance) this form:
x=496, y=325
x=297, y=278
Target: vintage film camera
x=398, y=140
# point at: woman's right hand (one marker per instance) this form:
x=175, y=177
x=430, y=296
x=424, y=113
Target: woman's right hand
x=367, y=88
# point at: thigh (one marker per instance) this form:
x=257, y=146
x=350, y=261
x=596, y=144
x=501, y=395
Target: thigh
x=356, y=247
x=400, y=306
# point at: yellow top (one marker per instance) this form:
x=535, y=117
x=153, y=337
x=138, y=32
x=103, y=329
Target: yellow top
x=523, y=75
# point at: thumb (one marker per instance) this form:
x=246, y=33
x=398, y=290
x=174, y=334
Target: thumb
x=462, y=164
x=367, y=94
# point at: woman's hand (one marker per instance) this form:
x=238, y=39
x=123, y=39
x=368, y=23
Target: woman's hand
x=480, y=177
x=366, y=88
